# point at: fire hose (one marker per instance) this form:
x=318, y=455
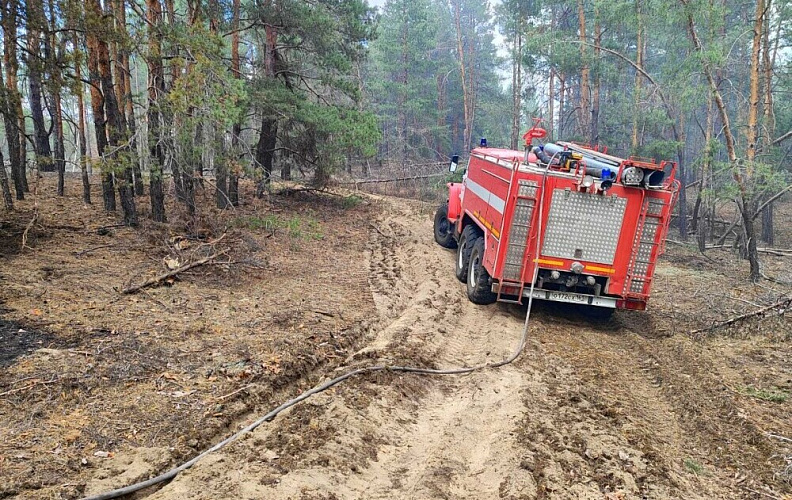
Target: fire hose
x=166, y=476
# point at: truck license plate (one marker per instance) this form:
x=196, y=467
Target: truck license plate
x=568, y=297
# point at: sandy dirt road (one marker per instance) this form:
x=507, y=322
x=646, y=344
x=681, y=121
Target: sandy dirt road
x=592, y=409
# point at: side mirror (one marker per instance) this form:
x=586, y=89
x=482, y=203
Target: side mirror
x=454, y=163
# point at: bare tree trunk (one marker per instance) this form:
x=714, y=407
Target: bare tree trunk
x=55, y=57
x=595, y=94
x=156, y=90
x=124, y=94
x=35, y=26
x=584, y=109
x=265, y=149
x=516, y=87
x=698, y=215
x=8, y=200
x=638, y=78
x=10, y=120
x=464, y=70
x=100, y=124
x=14, y=120
x=86, y=183
x=745, y=201
x=679, y=138
x=236, y=130
x=551, y=105
x=769, y=124
x=561, y=99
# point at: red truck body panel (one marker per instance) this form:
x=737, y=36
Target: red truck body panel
x=614, y=235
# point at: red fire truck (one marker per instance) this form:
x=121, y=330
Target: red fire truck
x=559, y=222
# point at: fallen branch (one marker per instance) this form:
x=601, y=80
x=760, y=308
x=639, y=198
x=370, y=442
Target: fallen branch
x=396, y=179
x=220, y=398
x=158, y=279
x=28, y=227
x=783, y=302
x=781, y=438
x=29, y=386
x=89, y=250
x=378, y=230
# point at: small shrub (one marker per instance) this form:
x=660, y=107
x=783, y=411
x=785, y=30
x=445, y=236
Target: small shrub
x=772, y=395
x=351, y=201
x=693, y=467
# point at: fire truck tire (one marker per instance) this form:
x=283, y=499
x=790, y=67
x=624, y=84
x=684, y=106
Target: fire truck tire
x=466, y=239
x=479, y=286
x=443, y=229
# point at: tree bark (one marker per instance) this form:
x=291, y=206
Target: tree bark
x=124, y=94
x=8, y=200
x=516, y=86
x=595, y=93
x=35, y=27
x=639, y=43
x=156, y=90
x=584, y=108
x=769, y=122
x=117, y=134
x=55, y=57
x=265, y=151
x=236, y=129
x=97, y=107
x=464, y=70
x=745, y=201
x=81, y=127
x=12, y=103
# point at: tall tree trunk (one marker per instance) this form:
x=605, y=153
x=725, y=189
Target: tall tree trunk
x=265, y=149
x=220, y=161
x=551, y=106
x=124, y=93
x=10, y=109
x=171, y=122
x=516, y=86
x=55, y=57
x=35, y=27
x=81, y=127
x=156, y=91
x=698, y=214
x=15, y=119
x=595, y=93
x=97, y=107
x=236, y=130
x=464, y=70
x=60, y=149
x=679, y=138
x=585, y=88
x=639, y=61
x=117, y=134
x=745, y=202
x=769, y=122
x=561, y=99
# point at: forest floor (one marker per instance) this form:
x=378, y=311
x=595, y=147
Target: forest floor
x=100, y=389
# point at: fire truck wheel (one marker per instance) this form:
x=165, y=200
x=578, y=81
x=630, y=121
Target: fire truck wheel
x=479, y=288
x=466, y=239
x=443, y=229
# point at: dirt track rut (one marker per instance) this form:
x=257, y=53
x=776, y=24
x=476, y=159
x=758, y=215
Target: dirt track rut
x=590, y=410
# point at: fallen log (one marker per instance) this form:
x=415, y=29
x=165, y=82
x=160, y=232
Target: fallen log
x=158, y=279
x=783, y=302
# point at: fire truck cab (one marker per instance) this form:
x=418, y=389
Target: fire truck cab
x=561, y=222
